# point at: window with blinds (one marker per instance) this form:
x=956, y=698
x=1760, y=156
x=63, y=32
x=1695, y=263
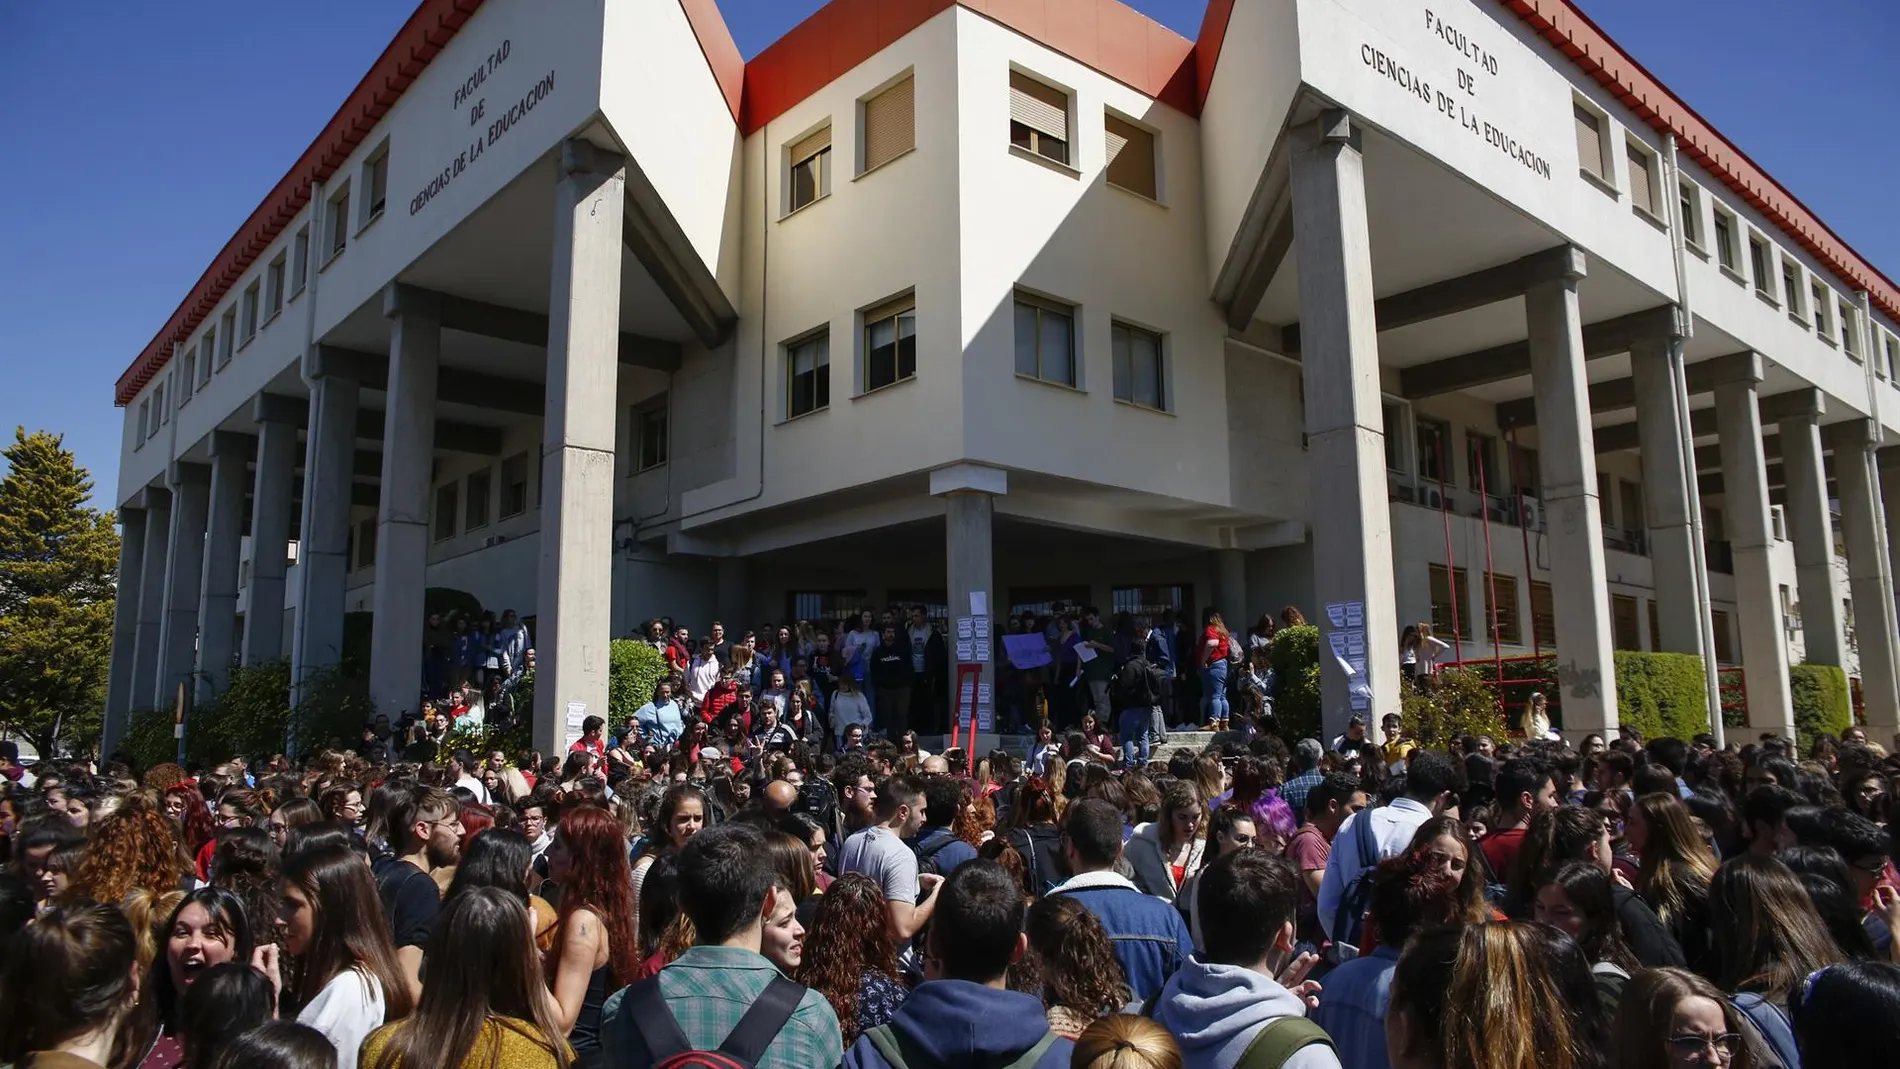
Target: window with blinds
x=890, y=124
x=1139, y=376
x=1038, y=118
x=1724, y=648
x=1543, y=616
x=890, y=342
x=1624, y=634
x=1510, y=631
x=1448, y=590
x=1589, y=140
x=810, y=161
x=808, y=375
x=1642, y=178
x=1131, y=156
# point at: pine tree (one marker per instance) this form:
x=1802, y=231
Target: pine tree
x=59, y=561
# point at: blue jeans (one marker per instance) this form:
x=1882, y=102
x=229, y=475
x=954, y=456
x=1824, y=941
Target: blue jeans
x=1214, y=691
x=1134, y=724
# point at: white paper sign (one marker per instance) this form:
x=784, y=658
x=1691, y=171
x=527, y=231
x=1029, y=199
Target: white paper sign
x=979, y=603
x=982, y=694
x=964, y=653
x=983, y=651
x=982, y=625
x=576, y=715
x=965, y=627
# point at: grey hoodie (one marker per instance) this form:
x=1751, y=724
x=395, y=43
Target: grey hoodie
x=1214, y=1011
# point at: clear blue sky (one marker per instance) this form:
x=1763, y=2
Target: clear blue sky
x=140, y=135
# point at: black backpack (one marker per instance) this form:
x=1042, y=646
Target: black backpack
x=927, y=855
x=669, y=1048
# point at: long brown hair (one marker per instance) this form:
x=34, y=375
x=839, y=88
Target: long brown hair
x=67, y=974
x=1641, y=1030
x=348, y=928
x=1677, y=864
x=1079, y=967
x=1488, y=996
x=601, y=883
x=849, y=937
x=1471, y=905
x=1769, y=931
x=482, y=967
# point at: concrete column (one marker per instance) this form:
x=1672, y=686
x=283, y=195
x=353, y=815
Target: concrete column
x=730, y=600
x=1586, y=668
x=1887, y=465
x=324, y=543
x=1751, y=539
x=1868, y=582
x=1230, y=588
x=184, y=579
x=575, y=604
x=151, y=587
x=125, y=625
x=969, y=493
x=1352, y=520
x=224, y=534
x=1811, y=526
x=1666, y=488
x=402, y=518
x=271, y=490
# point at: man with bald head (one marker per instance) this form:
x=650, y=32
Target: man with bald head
x=779, y=797
x=936, y=765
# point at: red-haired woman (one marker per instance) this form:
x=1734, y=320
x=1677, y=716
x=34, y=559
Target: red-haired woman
x=850, y=958
x=595, y=952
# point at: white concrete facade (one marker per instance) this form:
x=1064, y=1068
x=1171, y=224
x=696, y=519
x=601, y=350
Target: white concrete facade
x=718, y=482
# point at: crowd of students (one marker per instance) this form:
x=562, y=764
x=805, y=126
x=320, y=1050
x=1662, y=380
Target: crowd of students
x=790, y=898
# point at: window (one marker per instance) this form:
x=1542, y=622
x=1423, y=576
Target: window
x=1790, y=612
x=1849, y=330
x=366, y=542
x=228, y=327
x=1543, y=616
x=1147, y=603
x=1606, y=500
x=274, y=288
x=250, y=311
x=446, y=499
x=1791, y=286
x=1448, y=598
x=188, y=375
x=890, y=124
x=890, y=343
x=1434, y=445
x=1821, y=304
x=810, y=161
x=1893, y=359
x=1045, y=340
x=1131, y=156
x=826, y=605
x=339, y=218
x=1510, y=627
x=1624, y=633
x=1725, y=239
x=299, y=259
x=475, y=508
x=808, y=375
x=650, y=434
x=1038, y=118
x=1138, y=370
x=1724, y=648
x=375, y=184
x=1481, y=459
x=207, y=352
x=1642, y=164
x=1525, y=477
x=1655, y=629
x=1758, y=263
x=1633, y=516
x=143, y=429
x=514, y=485
x=1691, y=215
x=1590, y=142
x=159, y=414
x=1392, y=420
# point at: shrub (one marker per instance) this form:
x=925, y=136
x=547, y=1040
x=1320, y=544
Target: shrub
x=633, y=670
x=147, y=738
x=251, y=717
x=335, y=706
x=1662, y=694
x=1821, y=703
x=1459, y=702
x=1296, y=701
x=358, y=635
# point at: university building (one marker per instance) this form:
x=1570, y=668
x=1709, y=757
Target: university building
x=1394, y=310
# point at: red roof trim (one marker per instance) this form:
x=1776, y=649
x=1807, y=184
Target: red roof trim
x=1207, y=47
x=1560, y=22
x=433, y=24
x=722, y=55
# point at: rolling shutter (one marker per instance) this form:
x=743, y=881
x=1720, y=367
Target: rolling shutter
x=1042, y=108
x=890, y=124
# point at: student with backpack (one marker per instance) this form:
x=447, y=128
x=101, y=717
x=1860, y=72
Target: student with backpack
x=721, y=1004
x=964, y=1014
x=937, y=847
x=1136, y=691
x=1227, y=1007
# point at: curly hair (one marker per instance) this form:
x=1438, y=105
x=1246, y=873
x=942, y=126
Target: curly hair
x=975, y=818
x=131, y=848
x=849, y=937
x=1079, y=967
x=164, y=777
x=246, y=863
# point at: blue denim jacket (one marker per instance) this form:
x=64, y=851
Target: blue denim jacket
x=1151, y=940
x=1352, y=1005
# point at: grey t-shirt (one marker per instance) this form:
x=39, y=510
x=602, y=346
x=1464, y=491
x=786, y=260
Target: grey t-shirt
x=919, y=644
x=878, y=853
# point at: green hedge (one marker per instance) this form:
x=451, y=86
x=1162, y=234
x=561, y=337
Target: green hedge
x=1662, y=694
x=1460, y=702
x=1296, y=701
x=633, y=670
x=1821, y=702
x=148, y=738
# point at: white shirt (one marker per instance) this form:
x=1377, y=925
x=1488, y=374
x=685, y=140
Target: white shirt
x=476, y=788
x=1392, y=828
x=346, y=1011
x=701, y=676
x=1429, y=649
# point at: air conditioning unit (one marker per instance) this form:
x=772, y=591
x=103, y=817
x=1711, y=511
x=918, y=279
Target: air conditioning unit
x=1533, y=514
x=1430, y=497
